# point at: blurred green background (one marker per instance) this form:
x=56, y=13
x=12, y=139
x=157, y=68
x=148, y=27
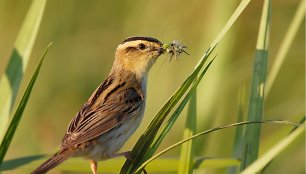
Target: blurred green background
x=85, y=35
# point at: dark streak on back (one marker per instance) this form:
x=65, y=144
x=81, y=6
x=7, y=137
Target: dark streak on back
x=102, y=87
x=113, y=90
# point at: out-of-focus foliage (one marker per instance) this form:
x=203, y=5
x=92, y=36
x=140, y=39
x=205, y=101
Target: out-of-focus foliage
x=11, y=79
x=85, y=35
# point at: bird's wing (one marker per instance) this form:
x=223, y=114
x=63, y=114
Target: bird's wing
x=95, y=119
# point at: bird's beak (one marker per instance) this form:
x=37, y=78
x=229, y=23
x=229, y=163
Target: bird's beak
x=161, y=50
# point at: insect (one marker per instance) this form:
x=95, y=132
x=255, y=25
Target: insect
x=175, y=48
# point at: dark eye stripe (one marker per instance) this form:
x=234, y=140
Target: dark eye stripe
x=149, y=39
x=128, y=49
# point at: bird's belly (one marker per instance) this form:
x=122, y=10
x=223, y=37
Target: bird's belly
x=111, y=142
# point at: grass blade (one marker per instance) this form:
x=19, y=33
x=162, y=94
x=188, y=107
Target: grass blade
x=239, y=131
x=147, y=138
x=285, y=45
x=79, y=165
x=175, y=114
x=206, y=162
x=19, y=162
x=252, y=132
x=142, y=146
x=18, y=114
x=11, y=79
x=267, y=157
x=283, y=122
x=187, y=150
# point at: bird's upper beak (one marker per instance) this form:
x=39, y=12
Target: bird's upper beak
x=160, y=49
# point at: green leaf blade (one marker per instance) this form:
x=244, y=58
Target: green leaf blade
x=267, y=157
x=238, y=140
x=285, y=45
x=256, y=100
x=146, y=139
x=18, y=114
x=10, y=81
x=165, y=165
x=283, y=122
x=187, y=149
x=141, y=149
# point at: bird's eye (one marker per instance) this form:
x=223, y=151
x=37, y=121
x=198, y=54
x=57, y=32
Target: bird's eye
x=141, y=46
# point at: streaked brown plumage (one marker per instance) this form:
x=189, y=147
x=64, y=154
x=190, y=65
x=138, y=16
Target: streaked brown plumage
x=114, y=110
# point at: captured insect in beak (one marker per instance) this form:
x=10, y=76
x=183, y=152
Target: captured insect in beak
x=174, y=48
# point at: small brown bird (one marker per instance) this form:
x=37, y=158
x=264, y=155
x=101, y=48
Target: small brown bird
x=114, y=110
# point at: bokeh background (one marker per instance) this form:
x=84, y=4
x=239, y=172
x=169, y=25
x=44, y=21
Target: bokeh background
x=85, y=35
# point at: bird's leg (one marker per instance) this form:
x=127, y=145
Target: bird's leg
x=94, y=166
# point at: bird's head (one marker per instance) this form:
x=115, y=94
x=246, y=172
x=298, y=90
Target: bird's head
x=137, y=54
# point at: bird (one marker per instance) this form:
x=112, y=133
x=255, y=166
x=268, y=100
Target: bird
x=115, y=109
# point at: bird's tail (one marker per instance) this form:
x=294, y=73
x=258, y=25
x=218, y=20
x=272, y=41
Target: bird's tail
x=52, y=162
